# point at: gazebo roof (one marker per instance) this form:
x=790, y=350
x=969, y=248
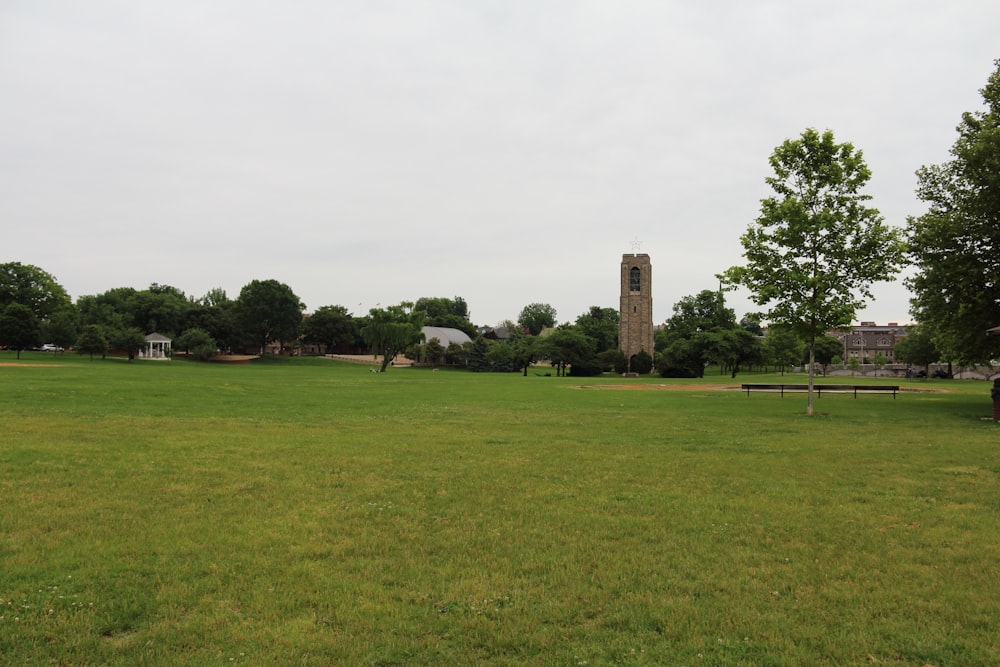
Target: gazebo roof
x=157, y=338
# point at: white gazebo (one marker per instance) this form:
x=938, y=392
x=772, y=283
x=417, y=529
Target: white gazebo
x=157, y=347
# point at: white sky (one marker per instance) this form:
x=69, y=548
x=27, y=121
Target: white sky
x=508, y=152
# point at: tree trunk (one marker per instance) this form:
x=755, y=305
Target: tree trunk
x=812, y=371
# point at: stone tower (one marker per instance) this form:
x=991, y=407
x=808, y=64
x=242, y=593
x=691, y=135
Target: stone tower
x=635, y=329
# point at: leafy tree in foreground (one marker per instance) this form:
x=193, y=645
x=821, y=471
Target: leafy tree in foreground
x=816, y=248
x=955, y=245
x=391, y=330
x=19, y=328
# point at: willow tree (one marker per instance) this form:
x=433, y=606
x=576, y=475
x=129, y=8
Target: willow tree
x=816, y=247
x=391, y=330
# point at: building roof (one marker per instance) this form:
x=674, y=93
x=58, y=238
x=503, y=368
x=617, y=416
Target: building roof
x=157, y=338
x=445, y=335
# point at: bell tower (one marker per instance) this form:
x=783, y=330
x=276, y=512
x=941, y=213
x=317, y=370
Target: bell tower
x=635, y=327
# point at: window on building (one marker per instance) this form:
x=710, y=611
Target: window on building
x=633, y=279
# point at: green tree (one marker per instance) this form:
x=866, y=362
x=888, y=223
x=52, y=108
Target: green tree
x=329, y=326
x=524, y=350
x=955, y=245
x=129, y=340
x=502, y=357
x=197, y=342
x=391, y=330
x=827, y=347
x=433, y=351
x=880, y=361
x=782, y=347
x=111, y=310
x=681, y=357
x=613, y=360
x=697, y=334
x=19, y=328
x=732, y=348
x=476, y=357
x=537, y=316
x=33, y=287
x=568, y=346
x=600, y=324
x=92, y=341
x=816, y=248
x=62, y=327
x=854, y=365
x=456, y=354
x=642, y=363
x=218, y=319
x=214, y=297
x=917, y=347
x=268, y=310
x=160, y=308
x=445, y=312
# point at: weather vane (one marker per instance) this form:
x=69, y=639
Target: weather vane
x=636, y=244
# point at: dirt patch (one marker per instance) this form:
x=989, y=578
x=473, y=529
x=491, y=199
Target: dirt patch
x=233, y=358
x=13, y=364
x=660, y=387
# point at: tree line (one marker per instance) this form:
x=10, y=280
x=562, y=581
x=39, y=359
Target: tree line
x=701, y=332
x=811, y=257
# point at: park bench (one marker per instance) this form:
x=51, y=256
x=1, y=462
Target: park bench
x=820, y=389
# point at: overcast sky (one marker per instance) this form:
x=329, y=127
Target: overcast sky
x=507, y=152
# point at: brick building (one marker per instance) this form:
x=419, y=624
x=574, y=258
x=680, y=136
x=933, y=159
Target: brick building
x=866, y=340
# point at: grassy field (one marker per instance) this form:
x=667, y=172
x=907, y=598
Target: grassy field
x=308, y=512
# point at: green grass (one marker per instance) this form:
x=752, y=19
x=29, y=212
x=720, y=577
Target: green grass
x=308, y=512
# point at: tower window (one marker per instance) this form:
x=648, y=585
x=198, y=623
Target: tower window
x=633, y=279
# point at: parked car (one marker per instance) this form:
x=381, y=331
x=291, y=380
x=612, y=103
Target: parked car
x=49, y=347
